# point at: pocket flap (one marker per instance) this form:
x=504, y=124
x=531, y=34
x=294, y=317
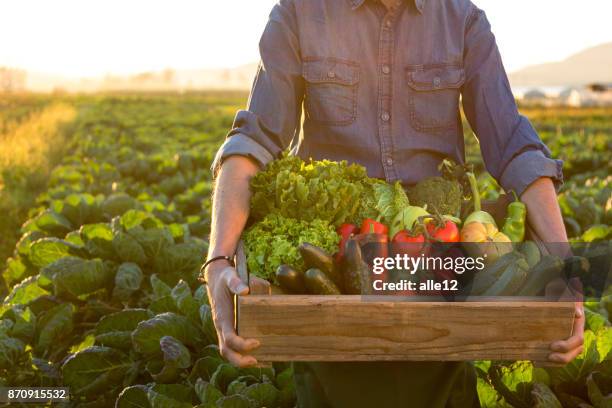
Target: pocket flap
x=431, y=79
x=330, y=70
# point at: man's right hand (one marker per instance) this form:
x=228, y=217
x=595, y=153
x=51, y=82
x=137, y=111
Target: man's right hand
x=223, y=284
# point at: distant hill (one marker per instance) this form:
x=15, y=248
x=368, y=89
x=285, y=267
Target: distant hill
x=588, y=66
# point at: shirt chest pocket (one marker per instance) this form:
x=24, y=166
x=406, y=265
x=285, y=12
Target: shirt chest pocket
x=433, y=97
x=331, y=90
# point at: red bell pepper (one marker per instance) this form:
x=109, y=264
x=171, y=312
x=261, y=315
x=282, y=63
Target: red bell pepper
x=371, y=226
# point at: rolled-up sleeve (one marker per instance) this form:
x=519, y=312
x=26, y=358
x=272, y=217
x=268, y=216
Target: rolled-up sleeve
x=512, y=150
x=273, y=113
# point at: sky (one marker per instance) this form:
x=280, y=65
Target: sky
x=79, y=38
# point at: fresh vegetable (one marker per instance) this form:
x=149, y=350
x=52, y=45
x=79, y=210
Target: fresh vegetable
x=477, y=215
x=318, y=283
x=530, y=250
x=486, y=278
x=442, y=231
x=315, y=257
x=346, y=231
x=544, y=272
x=308, y=191
x=406, y=243
x=370, y=226
x=514, y=225
x=290, y=280
x=274, y=241
x=355, y=270
x=479, y=234
x=510, y=280
x=440, y=194
x=406, y=219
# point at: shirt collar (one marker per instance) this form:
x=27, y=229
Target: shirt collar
x=418, y=3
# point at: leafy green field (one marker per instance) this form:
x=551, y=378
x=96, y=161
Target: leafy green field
x=101, y=290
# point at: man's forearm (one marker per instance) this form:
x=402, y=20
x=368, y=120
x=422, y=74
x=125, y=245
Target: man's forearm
x=230, y=207
x=543, y=212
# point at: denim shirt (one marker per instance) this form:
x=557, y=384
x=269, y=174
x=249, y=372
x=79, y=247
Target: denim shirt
x=382, y=88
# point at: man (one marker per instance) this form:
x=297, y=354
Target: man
x=380, y=82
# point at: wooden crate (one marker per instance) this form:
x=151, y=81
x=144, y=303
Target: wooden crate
x=349, y=328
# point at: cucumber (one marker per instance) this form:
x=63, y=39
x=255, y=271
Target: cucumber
x=319, y=283
x=510, y=281
x=530, y=250
x=355, y=269
x=486, y=278
x=547, y=269
x=315, y=257
x=290, y=280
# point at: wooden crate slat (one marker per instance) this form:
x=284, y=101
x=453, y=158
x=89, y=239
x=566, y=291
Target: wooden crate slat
x=346, y=328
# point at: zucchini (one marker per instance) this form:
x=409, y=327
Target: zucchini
x=510, y=281
x=319, y=283
x=549, y=268
x=315, y=257
x=355, y=269
x=290, y=280
x=486, y=278
x=530, y=250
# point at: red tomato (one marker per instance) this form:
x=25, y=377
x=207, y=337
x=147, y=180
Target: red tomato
x=448, y=232
x=405, y=243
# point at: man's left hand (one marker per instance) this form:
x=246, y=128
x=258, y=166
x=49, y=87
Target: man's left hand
x=565, y=351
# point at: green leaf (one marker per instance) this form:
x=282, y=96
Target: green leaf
x=513, y=381
x=224, y=375
x=264, y=394
x=128, y=249
x=53, y=325
x=185, y=302
x=234, y=401
x=597, y=232
x=208, y=325
x=170, y=396
x=206, y=392
x=117, y=204
x=95, y=370
x=175, y=352
x=133, y=397
x=115, y=329
x=599, y=388
x=90, y=277
x=127, y=280
x=16, y=271
x=11, y=350
x=160, y=289
x=53, y=223
x=24, y=323
x=204, y=368
x=98, y=240
x=88, y=341
x=77, y=208
x=25, y=292
x=153, y=240
x=543, y=397
x=48, y=250
x=179, y=261
x=147, y=334
x=594, y=320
